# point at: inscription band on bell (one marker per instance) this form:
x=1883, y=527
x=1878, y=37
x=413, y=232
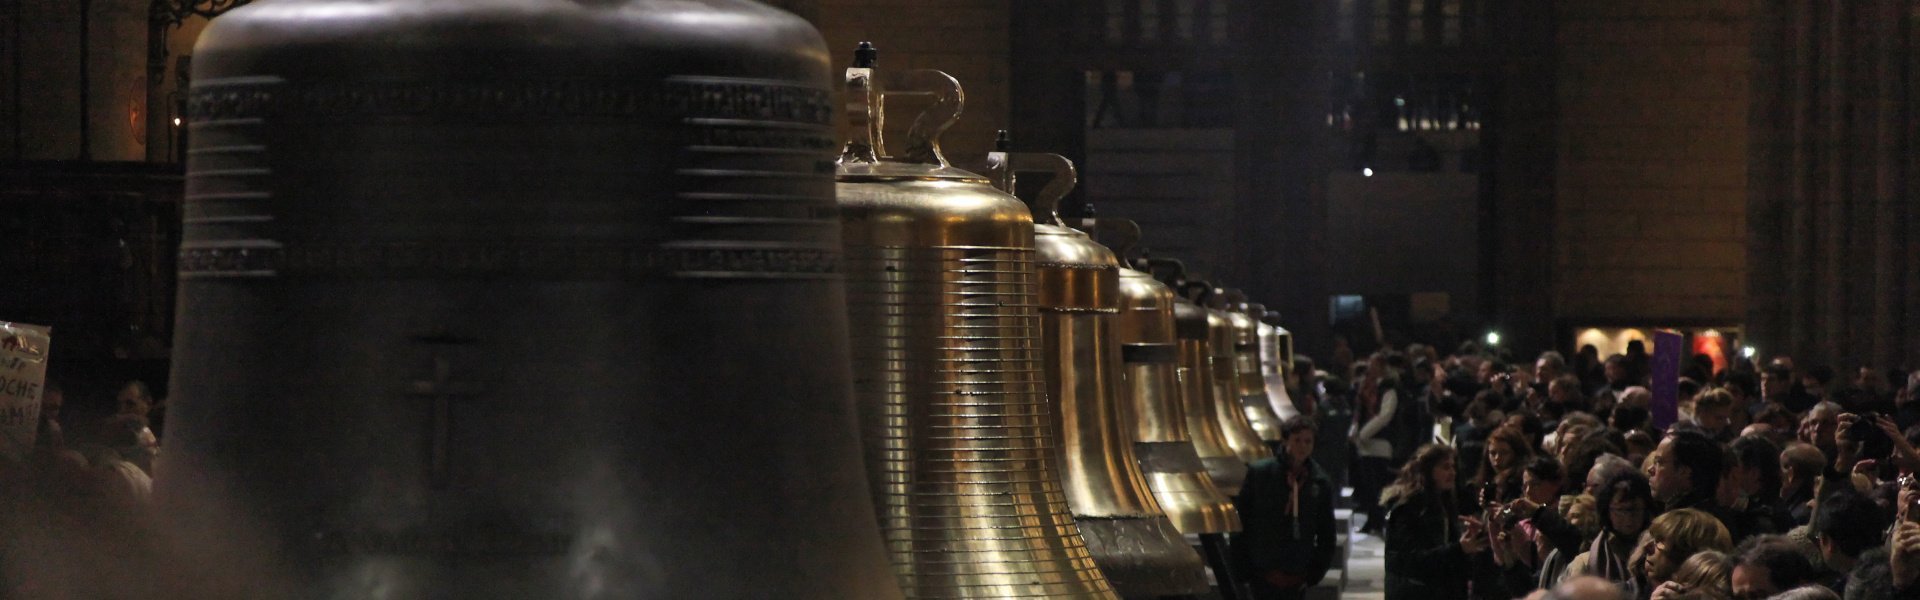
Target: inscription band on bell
x=673, y=97
x=440, y=259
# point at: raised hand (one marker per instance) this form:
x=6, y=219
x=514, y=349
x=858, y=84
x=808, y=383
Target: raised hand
x=1905, y=556
x=1671, y=590
x=1473, y=540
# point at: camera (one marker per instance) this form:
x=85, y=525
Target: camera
x=1874, y=443
x=1509, y=517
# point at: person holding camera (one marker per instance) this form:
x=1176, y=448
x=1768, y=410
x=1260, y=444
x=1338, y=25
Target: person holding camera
x=1430, y=546
x=1626, y=505
x=1500, y=479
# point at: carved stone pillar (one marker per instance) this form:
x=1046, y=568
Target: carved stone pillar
x=1835, y=265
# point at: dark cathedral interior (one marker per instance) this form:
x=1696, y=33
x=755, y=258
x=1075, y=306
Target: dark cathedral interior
x=959, y=299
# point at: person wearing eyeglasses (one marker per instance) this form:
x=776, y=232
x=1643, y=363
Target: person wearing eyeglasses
x=1673, y=538
x=1623, y=503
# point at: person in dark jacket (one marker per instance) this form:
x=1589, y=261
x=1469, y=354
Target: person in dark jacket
x=1431, y=549
x=1287, y=536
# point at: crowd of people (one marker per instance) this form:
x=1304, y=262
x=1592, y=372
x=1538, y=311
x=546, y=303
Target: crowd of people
x=104, y=460
x=1487, y=480
x=1568, y=479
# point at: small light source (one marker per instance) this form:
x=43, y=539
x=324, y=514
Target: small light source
x=1366, y=172
x=1493, y=338
x=176, y=121
x=1746, y=351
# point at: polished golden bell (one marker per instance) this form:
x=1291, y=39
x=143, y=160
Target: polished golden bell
x=962, y=445
x=1276, y=358
x=1165, y=449
x=1139, y=550
x=1249, y=383
x=1226, y=390
x=1221, y=435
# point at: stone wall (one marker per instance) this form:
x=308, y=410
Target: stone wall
x=49, y=66
x=48, y=106
x=1652, y=175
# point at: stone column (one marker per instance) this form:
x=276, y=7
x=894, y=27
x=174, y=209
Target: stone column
x=1834, y=266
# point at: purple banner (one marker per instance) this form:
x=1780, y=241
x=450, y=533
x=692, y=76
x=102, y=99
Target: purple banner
x=1668, y=348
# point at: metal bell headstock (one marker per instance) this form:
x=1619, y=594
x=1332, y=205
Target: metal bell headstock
x=867, y=89
x=1004, y=168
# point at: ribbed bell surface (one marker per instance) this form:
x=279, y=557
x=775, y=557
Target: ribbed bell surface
x=961, y=443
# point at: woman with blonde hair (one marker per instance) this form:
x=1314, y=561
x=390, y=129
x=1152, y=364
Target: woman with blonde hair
x=1705, y=576
x=1673, y=538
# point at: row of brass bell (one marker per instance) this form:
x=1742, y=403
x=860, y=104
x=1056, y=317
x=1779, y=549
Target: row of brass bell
x=963, y=446
x=1137, y=547
x=394, y=246
x=945, y=287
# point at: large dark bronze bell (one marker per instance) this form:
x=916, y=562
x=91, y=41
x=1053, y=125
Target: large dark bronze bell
x=1150, y=356
x=1136, y=546
x=514, y=299
x=961, y=441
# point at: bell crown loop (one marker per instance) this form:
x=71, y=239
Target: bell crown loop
x=1003, y=168
x=867, y=88
x=1046, y=204
x=1200, y=292
x=1172, y=272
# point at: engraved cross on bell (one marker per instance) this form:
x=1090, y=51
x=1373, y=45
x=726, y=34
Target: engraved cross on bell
x=442, y=390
